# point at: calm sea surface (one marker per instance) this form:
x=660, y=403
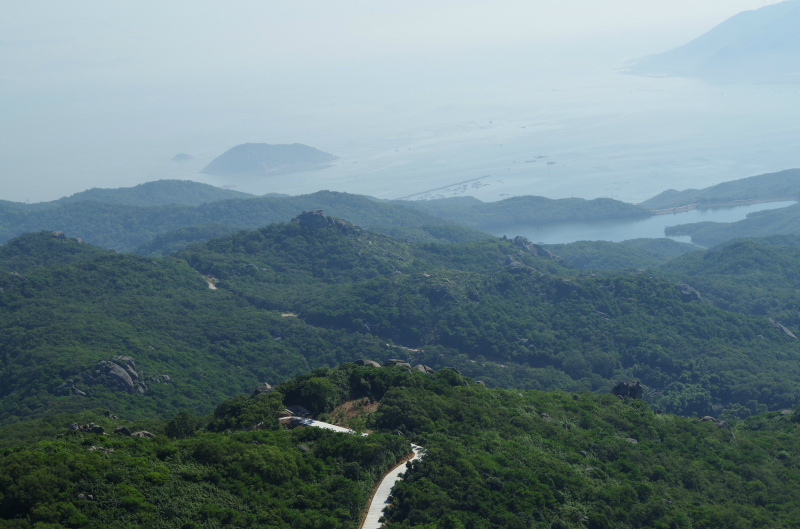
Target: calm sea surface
x=621, y=230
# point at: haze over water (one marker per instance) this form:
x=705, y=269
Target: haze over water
x=449, y=108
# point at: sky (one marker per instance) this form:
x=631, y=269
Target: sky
x=99, y=94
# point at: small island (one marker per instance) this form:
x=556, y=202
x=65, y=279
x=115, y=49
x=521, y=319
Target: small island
x=263, y=158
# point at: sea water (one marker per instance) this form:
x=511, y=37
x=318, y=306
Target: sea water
x=617, y=230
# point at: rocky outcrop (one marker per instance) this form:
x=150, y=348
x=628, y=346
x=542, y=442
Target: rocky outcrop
x=725, y=425
x=117, y=373
x=262, y=389
x=315, y=219
x=534, y=249
x=630, y=389
x=365, y=363
x=688, y=293
x=297, y=409
x=423, y=369
x=312, y=219
x=122, y=430
x=396, y=362
x=143, y=433
x=87, y=428
x=784, y=330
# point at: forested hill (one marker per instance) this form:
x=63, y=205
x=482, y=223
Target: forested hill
x=122, y=220
x=157, y=193
x=319, y=291
x=783, y=184
x=123, y=228
x=524, y=210
x=494, y=458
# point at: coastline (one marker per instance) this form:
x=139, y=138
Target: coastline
x=730, y=203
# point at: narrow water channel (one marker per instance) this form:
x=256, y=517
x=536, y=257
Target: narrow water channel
x=616, y=230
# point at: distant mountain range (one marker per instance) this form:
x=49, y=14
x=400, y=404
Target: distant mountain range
x=754, y=46
x=270, y=159
x=157, y=215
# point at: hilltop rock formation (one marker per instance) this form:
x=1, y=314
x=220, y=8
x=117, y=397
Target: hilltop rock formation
x=316, y=219
x=630, y=389
x=265, y=158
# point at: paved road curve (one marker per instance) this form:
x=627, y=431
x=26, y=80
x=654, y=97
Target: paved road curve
x=381, y=498
x=383, y=494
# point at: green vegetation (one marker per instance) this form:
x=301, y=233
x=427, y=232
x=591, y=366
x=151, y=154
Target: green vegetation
x=292, y=297
x=783, y=184
x=157, y=218
x=550, y=327
x=124, y=228
x=307, y=478
x=178, y=239
x=758, y=276
x=495, y=458
x=525, y=210
x=782, y=221
x=635, y=253
x=157, y=193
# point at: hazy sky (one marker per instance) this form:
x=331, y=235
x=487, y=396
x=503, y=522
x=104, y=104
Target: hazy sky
x=89, y=88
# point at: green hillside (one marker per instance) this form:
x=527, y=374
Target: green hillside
x=783, y=184
x=157, y=193
x=634, y=253
x=319, y=291
x=498, y=305
x=524, y=210
x=494, y=458
x=757, y=276
x=124, y=228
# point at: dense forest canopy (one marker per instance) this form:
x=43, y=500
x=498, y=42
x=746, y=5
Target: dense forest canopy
x=494, y=458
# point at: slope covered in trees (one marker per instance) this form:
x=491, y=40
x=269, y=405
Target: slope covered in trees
x=524, y=210
x=319, y=291
x=494, y=458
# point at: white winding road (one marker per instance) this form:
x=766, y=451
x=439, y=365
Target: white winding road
x=383, y=494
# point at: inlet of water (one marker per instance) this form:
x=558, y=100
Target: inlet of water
x=616, y=230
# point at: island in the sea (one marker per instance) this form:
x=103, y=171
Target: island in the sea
x=269, y=159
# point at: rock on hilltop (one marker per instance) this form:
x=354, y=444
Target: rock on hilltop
x=266, y=158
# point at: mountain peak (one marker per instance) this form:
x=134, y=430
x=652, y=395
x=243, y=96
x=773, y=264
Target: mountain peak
x=762, y=45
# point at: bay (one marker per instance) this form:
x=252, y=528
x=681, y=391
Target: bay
x=617, y=230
